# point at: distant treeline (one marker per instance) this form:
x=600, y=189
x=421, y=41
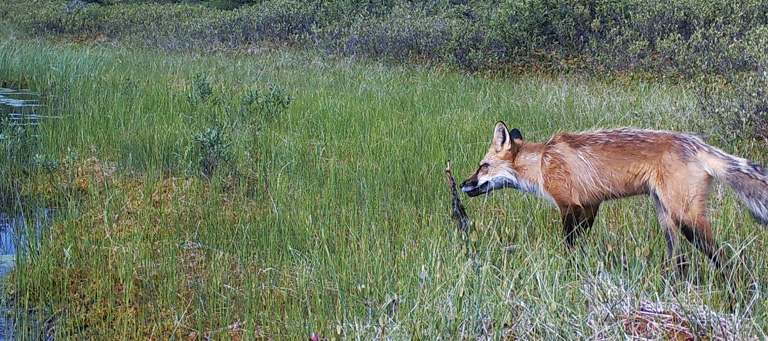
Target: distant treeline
x=672, y=37
x=721, y=45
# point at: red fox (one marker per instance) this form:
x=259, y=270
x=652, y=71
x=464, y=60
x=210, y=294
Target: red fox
x=579, y=171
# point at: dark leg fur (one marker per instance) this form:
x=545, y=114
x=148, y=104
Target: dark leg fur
x=576, y=220
x=706, y=245
x=670, y=236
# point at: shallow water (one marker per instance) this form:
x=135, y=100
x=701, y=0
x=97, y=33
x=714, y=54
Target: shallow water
x=7, y=262
x=18, y=110
x=7, y=243
x=20, y=102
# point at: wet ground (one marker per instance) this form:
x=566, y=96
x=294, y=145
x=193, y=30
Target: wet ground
x=19, y=110
x=19, y=105
x=8, y=227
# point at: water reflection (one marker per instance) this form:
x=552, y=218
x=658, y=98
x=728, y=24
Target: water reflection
x=8, y=225
x=7, y=242
x=18, y=118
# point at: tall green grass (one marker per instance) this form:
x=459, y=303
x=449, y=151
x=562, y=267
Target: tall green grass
x=342, y=227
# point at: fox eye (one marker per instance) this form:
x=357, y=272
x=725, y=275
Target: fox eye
x=484, y=165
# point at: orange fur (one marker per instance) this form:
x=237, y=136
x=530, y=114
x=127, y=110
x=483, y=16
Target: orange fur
x=579, y=171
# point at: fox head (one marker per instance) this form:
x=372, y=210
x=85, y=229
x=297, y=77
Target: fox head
x=495, y=170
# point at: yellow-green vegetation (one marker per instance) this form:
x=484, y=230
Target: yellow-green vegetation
x=287, y=193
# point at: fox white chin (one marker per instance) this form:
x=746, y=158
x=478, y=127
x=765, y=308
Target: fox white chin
x=499, y=182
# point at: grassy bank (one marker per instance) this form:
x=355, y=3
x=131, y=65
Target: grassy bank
x=280, y=194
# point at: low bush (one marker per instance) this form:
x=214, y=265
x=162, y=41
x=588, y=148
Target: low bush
x=684, y=38
x=218, y=122
x=680, y=40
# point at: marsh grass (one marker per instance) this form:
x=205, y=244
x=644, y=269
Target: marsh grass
x=337, y=218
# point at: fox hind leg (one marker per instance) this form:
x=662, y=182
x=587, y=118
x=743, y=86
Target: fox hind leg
x=698, y=233
x=687, y=215
x=670, y=234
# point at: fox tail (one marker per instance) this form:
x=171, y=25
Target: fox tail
x=747, y=179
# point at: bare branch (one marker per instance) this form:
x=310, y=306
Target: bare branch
x=459, y=213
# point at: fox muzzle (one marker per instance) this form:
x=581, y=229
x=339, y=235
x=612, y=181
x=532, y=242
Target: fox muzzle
x=472, y=188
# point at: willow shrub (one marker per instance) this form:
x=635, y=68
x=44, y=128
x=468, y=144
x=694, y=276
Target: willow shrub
x=683, y=40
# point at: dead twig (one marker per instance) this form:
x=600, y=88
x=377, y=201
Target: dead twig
x=459, y=213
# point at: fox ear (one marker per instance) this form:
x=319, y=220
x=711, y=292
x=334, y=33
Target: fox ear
x=515, y=134
x=501, y=139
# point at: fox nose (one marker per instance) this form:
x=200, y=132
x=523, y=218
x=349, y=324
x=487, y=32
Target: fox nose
x=466, y=184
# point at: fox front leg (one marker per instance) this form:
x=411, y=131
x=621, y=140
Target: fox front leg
x=576, y=220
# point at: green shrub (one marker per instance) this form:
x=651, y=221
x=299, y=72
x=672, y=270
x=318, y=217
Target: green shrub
x=201, y=89
x=683, y=38
x=257, y=103
x=735, y=106
x=221, y=117
x=212, y=149
x=402, y=35
x=736, y=113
